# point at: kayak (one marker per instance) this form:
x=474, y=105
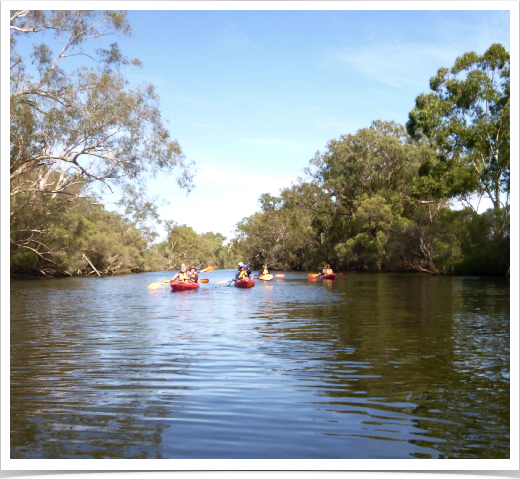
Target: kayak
x=183, y=285
x=328, y=276
x=245, y=283
x=266, y=277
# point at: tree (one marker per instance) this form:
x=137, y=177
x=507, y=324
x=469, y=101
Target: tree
x=139, y=211
x=365, y=247
x=184, y=245
x=466, y=119
x=73, y=129
x=381, y=160
x=85, y=124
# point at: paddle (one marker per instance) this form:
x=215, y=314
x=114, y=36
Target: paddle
x=209, y=269
x=256, y=256
x=158, y=285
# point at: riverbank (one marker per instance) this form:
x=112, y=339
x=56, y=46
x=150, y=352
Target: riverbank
x=47, y=274
x=40, y=274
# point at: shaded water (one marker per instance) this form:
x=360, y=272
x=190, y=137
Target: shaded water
x=368, y=366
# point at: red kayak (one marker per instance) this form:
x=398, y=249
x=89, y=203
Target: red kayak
x=328, y=276
x=183, y=285
x=245, y=283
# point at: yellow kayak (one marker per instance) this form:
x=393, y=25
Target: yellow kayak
x=266, y=277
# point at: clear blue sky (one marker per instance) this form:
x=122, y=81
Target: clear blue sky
x=252, y=95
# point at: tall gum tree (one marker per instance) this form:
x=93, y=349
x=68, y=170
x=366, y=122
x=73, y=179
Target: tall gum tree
x=72, y=129
x=466, y=119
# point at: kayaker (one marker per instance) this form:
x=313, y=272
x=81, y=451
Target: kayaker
x=182, y=275
x=242, y=272
x=264, y=270
x=193, y=277
x=326, y=269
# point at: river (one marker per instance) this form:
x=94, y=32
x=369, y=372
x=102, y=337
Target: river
x=370, y=366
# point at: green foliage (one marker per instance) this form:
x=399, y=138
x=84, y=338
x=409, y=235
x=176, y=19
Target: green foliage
x=184, y=245
x=483, y=252
x=377, y=200
x=378, y=160
x=283, y=234
x=365, y=252
x=72, y=130
x=466, y=119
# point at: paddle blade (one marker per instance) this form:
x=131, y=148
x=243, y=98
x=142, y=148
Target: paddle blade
x=221, y=282
x=209, y=269
x=158, y=285
x=312, y=275
x=279, y=275
x=341, y=274
x=203, y=280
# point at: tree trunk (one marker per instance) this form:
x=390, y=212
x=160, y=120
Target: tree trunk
x=91, y=264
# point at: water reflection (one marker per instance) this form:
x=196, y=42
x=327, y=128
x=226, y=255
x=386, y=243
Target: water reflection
x=373, y=366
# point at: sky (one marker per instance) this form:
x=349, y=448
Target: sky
x=252, y=95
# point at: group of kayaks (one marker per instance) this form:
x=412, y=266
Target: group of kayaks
x=240, y=283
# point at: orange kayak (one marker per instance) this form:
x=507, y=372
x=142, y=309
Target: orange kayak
x=183, y=285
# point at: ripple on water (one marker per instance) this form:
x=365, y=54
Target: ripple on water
x=369, y=366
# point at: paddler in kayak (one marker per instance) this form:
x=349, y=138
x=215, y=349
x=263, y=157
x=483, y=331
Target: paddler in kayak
x=182, y=275
x=263, y=271
x=242, y=272
x=326, y=269
x=193, y=277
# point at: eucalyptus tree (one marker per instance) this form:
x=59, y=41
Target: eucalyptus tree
x=71, y=128
x=381, y=159
x=466, y=119
x=282, y=230
x=184, y=245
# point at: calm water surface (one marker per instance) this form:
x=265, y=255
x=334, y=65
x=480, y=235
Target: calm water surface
x=368, y=366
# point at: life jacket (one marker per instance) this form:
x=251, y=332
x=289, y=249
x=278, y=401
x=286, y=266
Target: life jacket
x=193, y=278
x=243, y=274
x=182, y=276
x=265, y=272
x=326, y=271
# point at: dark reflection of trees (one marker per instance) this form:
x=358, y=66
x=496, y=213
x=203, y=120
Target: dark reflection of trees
x=436, y=349
x=80, y=392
